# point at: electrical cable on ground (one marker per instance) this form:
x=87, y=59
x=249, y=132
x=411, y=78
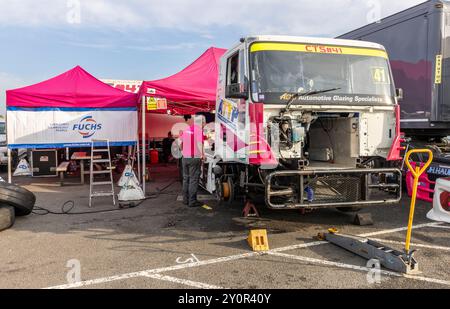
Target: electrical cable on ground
x=68, y=206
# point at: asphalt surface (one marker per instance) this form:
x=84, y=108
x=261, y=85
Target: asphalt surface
x=162, y=244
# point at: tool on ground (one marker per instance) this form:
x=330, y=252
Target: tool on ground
x=389, y=258
x=441, y=203
x=363, y=220
x=258, y=240
x=416, y=172
x=250, y=210
x=206, y=207
x=402, y=262
x=101, y=147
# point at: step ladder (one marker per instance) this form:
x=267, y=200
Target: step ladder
x=98, y=148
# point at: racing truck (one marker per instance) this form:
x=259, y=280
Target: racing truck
x=306, y=123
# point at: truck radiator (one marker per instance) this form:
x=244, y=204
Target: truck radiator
x=333, y=188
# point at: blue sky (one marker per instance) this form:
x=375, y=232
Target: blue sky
x=150, y=39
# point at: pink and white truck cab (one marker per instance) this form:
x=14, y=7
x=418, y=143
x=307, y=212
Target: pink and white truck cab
x=306, y=123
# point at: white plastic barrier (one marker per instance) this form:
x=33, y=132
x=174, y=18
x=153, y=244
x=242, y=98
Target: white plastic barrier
x=128, y=176
x=23, y=169
x=131, y=190
x=441, y=208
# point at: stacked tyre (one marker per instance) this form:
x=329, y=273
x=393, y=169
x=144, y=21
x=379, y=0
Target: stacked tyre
x=7, y=217
x=14, y=201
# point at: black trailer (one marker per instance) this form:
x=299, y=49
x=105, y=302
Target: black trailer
x=418, y=43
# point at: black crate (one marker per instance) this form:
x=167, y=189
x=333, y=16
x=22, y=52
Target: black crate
x=44, y=163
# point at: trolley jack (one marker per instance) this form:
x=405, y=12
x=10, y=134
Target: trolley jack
x=389, y=258
x=392, y=259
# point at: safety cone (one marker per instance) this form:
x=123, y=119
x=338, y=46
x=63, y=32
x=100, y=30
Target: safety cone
x=441, y=202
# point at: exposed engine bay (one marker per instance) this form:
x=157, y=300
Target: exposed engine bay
x=321, y=163
x=304, y=139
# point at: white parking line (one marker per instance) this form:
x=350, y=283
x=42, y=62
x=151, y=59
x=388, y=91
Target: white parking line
x=385, y=241
x=446, y=227
x=216, y=261
x=98, y=281
x=146, y=273
x=358, y=268
x=403, y=229
x=190, y=283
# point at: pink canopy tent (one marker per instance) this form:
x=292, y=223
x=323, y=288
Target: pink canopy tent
x=191, y=90
x=73, y=89
x=70, y=110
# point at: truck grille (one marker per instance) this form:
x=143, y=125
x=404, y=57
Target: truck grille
x=335, y=188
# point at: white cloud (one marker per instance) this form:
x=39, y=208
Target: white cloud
x=301, y=17
x=7, y=82
x=166, y=47
x=91, y=45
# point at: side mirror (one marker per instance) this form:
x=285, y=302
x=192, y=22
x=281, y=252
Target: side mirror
x=399, y=94
x=237, y=91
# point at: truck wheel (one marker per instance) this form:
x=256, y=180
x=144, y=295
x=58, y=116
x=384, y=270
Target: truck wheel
x=7, y=217
x=225, y=191
x=21, y=199
x=349, y=209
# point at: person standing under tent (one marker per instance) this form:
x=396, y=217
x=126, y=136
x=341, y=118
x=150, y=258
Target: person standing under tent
x=167, y=147
x=192, y=140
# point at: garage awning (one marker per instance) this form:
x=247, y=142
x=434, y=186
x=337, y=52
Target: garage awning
x=70, y=110
x=74, y=88
x=193, y=89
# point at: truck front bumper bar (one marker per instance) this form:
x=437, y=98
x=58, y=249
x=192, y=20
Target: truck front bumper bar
x=333, y=188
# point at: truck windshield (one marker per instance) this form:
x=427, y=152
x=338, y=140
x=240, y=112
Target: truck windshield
x=357, y=75
x=2, y=128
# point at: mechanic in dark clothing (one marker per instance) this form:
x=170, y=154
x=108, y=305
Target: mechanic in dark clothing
x=167, y=147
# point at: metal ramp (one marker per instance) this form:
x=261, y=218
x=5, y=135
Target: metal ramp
x=98, y=148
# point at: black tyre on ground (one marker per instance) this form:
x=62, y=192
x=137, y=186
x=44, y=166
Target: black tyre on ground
x=21, y=199
x=7, y=217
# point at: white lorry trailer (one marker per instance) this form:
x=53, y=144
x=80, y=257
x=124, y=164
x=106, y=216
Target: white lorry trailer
x=307, y=123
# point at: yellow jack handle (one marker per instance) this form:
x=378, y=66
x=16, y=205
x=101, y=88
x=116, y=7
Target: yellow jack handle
x=417, y=172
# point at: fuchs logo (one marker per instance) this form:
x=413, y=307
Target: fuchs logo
x=87, y=127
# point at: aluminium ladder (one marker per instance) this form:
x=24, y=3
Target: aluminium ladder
x=97, y=149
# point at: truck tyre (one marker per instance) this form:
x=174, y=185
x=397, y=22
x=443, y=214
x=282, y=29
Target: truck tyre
x=349, y=209
x=7, y=217
x=225, y=191
x=21, y=199
x=230, y=191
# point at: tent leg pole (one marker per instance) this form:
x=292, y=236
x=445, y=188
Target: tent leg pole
x=9, y=166
x=137, y=153
x=144, y=165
